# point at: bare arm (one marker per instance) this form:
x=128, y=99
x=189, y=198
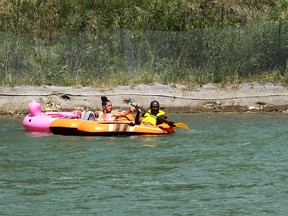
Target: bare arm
x=138, y=119
x=166, y=120
x=122, y=113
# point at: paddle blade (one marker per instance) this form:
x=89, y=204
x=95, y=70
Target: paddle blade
x=128, y=101
x=182, y=125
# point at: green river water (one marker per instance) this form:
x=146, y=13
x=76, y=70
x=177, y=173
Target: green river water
x=225, y=164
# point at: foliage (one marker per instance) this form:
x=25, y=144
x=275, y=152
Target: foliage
x=51, y=17
x=119, y=42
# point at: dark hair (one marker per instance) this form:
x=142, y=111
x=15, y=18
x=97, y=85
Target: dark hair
x=104, y=100
x=154, y=101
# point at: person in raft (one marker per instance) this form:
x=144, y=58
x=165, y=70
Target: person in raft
x=107, y=112
x=154, y=116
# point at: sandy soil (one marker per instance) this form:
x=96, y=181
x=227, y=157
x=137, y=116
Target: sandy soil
x=248, y=97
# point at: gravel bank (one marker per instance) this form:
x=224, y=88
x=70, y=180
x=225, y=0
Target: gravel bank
x=175, y=98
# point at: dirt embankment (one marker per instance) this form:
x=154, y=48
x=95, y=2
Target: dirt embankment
x=252, y=97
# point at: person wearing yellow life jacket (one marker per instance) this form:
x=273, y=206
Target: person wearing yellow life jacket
x=154, y=116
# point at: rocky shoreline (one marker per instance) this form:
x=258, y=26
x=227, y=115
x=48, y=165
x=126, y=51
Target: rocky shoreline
x=248, y=97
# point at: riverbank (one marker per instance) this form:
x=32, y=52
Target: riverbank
x=248, y=97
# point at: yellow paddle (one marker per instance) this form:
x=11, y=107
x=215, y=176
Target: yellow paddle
x=182, y=125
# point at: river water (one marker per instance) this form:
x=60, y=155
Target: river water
x=225, y=164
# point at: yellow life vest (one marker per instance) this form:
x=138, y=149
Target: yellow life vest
x=149, y=119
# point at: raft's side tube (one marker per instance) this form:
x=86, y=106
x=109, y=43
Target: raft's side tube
x=105, y=128
x=65, y=126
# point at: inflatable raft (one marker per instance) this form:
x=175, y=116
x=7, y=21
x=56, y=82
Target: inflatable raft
x=106, y=128
x=39, y=121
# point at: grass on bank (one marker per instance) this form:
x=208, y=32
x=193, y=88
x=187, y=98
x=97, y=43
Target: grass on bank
x=238, y=54
x=141, y=77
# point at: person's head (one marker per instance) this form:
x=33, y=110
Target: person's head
x=154, y=107
x=106, y=104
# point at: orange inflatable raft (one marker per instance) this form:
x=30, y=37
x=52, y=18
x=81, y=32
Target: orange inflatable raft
x=106, y=128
